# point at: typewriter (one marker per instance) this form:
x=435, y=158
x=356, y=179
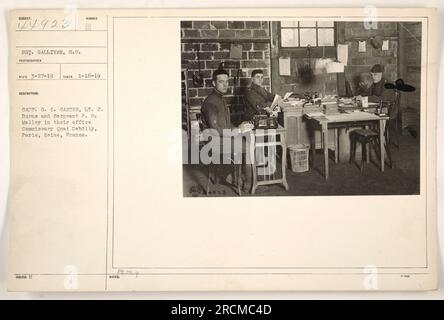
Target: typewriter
x=267, y=117
x=263, y=121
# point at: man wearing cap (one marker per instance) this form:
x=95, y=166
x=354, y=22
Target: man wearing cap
x=215, y=113
x=258, y=99
x=376, y=91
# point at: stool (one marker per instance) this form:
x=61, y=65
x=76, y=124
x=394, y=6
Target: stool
x=364, y=137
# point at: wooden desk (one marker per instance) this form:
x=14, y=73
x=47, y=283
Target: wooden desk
x=293, y=124
x=273, y=134
x=325, y=122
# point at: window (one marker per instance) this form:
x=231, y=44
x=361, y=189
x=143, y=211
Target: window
x=307, y=33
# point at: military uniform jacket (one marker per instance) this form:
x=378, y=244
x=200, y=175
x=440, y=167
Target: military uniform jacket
x=215, y=113
x=257, y=98
x=378, y=92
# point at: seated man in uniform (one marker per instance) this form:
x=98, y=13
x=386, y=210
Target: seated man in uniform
x=216, y=115
x=376, y=91
x=258, y=99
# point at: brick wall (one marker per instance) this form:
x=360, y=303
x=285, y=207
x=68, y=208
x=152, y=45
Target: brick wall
x=360, y=63
x=214, y=38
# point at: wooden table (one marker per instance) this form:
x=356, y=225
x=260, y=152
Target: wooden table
x=272, y=134
x=342, y=120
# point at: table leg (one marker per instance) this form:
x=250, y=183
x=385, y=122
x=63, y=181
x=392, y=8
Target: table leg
x=367, y=147
x=322, y=140
x=284, y=161
x=336, y=146
x=253, y=162
x=298, y=129
x=381, y=142
x=325, y=147
x=312, y=144
x=238, y=173
x=207, y=188
x=272, y=139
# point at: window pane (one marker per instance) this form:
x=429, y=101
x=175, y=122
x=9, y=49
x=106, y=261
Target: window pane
x=289, y=37
x=307, y=24
x=325, y=24
x=289, y=24
x=325, y=37
x=308, y=37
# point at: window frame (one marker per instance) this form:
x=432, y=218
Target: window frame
x=304, y=48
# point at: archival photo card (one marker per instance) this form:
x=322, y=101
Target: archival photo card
x=222, y=149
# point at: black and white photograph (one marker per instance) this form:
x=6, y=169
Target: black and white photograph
x=304, y=158
x=301, y=107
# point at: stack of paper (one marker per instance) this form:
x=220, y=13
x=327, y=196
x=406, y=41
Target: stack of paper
x=335, y=67
x=311, y=108
x=330, y=105
x=294, y=109
x=330, y=108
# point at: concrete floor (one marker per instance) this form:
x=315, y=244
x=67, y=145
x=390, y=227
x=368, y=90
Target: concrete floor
x=345, y=179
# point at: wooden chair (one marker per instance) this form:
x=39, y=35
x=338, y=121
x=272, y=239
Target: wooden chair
x=391, y=128
x=213, y=169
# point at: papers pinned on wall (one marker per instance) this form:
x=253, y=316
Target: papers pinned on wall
x=321, y=65
x=284, y=66
x=236, y=51
x=385, y=45
x=328, y=65
x=342, y=52
x=361, y=46
x=335, y=67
